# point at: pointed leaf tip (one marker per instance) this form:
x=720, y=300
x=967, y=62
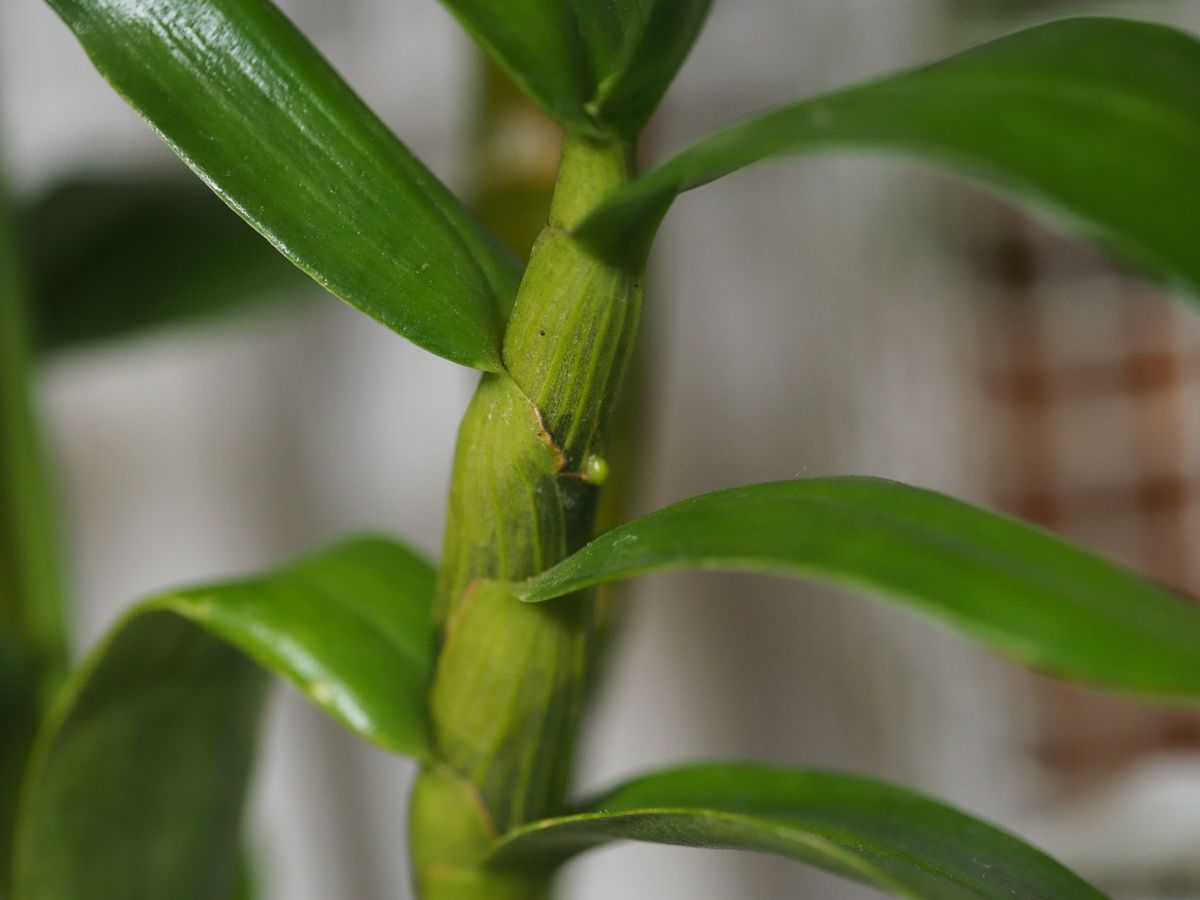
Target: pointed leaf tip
x=240, y=95
x=870, y=832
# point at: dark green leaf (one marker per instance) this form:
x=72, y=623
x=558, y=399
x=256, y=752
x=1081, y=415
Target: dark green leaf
x=110, y=257
x=1093, y=118
x=538, y=43
x=19, y=714
x=650, y=63
x=874, y=833
x=251, y=106
x=608, y=28
x=31, y=591
x=33, y=633
x=136, y=785
x=1019, y=590
x=605, y=25
x=139, y=790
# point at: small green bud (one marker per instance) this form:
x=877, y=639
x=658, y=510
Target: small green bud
x=595, y=470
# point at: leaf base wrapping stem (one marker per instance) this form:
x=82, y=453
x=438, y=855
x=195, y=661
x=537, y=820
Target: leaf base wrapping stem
x=511, y=678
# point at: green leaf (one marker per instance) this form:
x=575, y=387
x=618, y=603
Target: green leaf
x=1094, y=119
x=649, y=64
x=31, y=591
x=110, y=257
x=537, y=42
x=137, y=780
x=606, y=26
x=33, y=630
x=139, y=791
x=250, y=105
x=1019, y=590
x=874, y=833
x=19, y=714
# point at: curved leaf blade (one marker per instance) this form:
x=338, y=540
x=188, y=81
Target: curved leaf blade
x=239, y=94
x=537, y=42
x=139, y=791
x=1093, y=118
x=1023, y=592
x=155, y=732
x=649, y=63
x=606, y=27
x=351, y=628
x=865, y=830
x=114, y=257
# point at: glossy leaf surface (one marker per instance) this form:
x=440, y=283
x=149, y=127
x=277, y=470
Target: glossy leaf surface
x=538, y=43
x=114, y=257
x=1019, y=590
x=649, y=63
x=874, y=833
x=1094, y=119
x=250, y=105
x=136, y=785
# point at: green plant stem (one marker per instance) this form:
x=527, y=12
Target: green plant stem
x=33, y=641
x=510, y=679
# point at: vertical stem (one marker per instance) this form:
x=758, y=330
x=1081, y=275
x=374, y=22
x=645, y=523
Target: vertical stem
x=32, y=619
x=510, y=679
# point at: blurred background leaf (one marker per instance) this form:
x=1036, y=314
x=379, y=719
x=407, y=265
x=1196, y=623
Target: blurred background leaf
x=33, y=627
x=110, y=257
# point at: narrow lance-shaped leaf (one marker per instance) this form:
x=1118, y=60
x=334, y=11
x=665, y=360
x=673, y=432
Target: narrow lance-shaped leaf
x=111, y=257
x=136, y=784
x=1094, y=119
x=31, y=590
x=33, y=634
x=649, y=63
x=873, y=833
x=513, y=198
x=538, y=43
x=250, y=105
x=1019, y=590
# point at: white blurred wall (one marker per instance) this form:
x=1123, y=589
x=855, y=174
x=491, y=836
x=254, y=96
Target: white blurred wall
x=807, y=321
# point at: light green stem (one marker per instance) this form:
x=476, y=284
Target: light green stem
x=511, y=678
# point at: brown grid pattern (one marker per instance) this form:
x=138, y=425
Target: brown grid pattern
x=1091, y=402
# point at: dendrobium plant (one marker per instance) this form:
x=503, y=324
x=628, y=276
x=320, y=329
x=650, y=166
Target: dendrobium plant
x=479, y=667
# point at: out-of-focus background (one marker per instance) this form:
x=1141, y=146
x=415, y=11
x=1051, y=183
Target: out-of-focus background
x=829, y=316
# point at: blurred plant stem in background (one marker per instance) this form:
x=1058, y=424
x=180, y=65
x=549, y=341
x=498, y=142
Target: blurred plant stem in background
x=516, y=155
x=33, y=631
